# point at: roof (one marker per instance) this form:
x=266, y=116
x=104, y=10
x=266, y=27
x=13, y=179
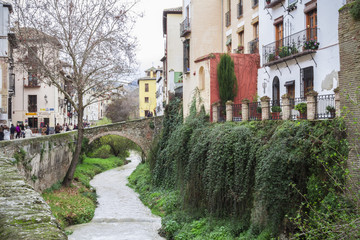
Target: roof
x=8, y=5
x=145, y=78
x=151, y=69
x=177, y=10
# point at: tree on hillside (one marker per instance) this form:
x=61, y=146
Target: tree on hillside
x=226, y=79
x=123, y=108
x=92, y=39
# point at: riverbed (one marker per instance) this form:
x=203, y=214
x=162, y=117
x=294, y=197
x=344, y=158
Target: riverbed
x=120, y=214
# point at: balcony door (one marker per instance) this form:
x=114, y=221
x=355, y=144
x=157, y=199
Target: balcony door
x=276, y=91
x=279, y=34
x=311, y=20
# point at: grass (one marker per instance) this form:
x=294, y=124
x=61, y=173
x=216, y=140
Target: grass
x=76, y=204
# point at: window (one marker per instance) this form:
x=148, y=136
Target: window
x=276, y=90
x=147, y=113
x=32, y=103
x=146, y=99
x=32, y=79
x=201, y=78
x=256, y=30
x=311, y=25
x=279, y=33
x=186, y=56
x=228, y=43
x=240, y=9
x=146, y=87
x=228, y=14
x=307, y=80
x=241, y=38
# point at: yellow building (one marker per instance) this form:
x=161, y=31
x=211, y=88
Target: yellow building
x=147, y=93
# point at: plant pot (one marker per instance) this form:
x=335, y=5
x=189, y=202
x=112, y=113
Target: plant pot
x=332, y=114
x=258, y=116
x=275, y=115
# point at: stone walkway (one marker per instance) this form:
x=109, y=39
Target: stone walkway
x=120, y=214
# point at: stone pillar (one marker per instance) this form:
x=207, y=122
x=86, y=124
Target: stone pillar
x=337, y=102
x=229, y=111
x=286, y=107
x=245, y=110
x=265, y=108
x=311, y=98
x=215, y=114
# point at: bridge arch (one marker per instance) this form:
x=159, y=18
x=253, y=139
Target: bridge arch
x=141, y=131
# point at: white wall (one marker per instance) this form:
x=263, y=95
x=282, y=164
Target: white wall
x=327, y=57
x=160, y=96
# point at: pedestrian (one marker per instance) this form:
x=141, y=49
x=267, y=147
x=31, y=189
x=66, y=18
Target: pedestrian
x=28, y=132
x=22, y=127
x=6, y=133
x=12, y=131
x=57, y=128
x=1, y=133
x=47, y=132
x=18, y=131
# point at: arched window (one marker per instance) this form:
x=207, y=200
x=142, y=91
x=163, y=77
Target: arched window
x=201, y=78
x=276, y=90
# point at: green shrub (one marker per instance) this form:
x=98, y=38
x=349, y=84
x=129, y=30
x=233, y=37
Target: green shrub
x=102, y=152
x=226, y=79
x=355, y=10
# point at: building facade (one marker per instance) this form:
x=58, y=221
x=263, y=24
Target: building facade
x=299, y=47
x=160, y=92
x=173, y=65
x=7, y=44
x=147, y=94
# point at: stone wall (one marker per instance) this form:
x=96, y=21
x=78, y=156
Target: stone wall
x=23, y=212
x=349, y=84
x=42, y=161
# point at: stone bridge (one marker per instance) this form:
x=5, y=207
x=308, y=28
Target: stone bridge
x=140, y=131
x=28, y=166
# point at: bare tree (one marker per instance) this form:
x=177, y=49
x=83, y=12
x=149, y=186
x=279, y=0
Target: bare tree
x=91, y=37
x=124, y=108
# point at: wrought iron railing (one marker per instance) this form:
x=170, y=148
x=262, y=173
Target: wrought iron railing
x=32, y=81
x=325, y=106
x=221, y=113
x=275, y=109
x=228, y=18
x=254, y=111
x=32, y=108
x=254, y=46
x=239, y=9
x=300, y=42
x=237, y=112
x=185, y=27
x=296, y=114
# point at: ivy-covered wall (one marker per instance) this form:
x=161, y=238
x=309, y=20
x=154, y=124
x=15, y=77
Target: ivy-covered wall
x=254, y=172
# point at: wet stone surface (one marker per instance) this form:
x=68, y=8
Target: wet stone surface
x=120, y=214
x=23, y=212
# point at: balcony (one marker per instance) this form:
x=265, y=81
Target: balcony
x=32, y=82
x=272, y=3
x=296, y=45
x=239, y=9
x=228, y=18
x=185, y=27
x=254, y=46
x=32, y=108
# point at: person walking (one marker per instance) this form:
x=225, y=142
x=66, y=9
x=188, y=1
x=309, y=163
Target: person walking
x=6, y=133
x=18, y=131
x=28, y=132
x=1, y=133
x=57, y=128
x=12, y=131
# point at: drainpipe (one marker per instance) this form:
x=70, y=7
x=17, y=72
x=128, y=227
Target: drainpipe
x=222, y=26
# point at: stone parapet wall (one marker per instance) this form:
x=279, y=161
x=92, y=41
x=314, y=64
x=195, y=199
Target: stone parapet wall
x=23, y=212
x=349, y=84
x=43, y=161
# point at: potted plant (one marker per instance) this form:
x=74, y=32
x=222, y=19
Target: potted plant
x=268, y=1
x=311, y=45
x=271, y=57
x=302, y=108
x=240, y=49
x=275, y=112
x=331, y=110
x=284, y=51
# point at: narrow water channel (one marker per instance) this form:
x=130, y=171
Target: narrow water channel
x=120, y=214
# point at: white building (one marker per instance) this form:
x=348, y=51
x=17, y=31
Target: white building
x=35, y=101
x=160, y=96
x=173, y=63
x=7, y=43
x=291, y=60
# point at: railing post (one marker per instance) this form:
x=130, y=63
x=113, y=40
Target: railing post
x=286, y=107
x=337, y=102
x=311, y=98
x=215, y=114
x=229, y=111
x=245, y=110
x=265, y=108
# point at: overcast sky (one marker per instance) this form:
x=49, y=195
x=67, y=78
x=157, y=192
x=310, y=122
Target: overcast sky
x=149, y=32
